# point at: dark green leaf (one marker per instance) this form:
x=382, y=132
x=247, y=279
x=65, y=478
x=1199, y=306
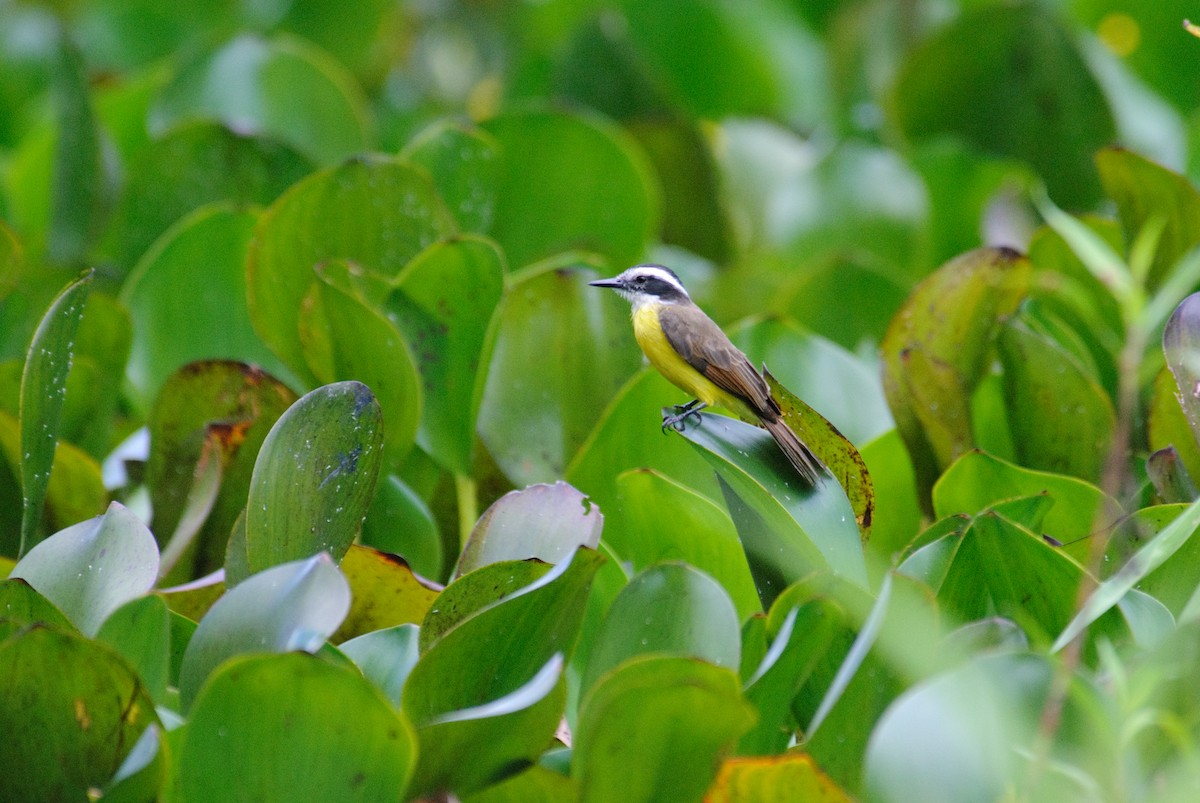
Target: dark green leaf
x=465, y=165
x=358, y=749
x=140, y=631
x=314, y=476
x=385, y=657
x=21, y=606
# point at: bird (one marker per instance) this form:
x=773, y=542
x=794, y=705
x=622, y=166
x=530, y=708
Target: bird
x=695, y=355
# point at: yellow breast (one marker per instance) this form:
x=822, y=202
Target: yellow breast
x=663, y=357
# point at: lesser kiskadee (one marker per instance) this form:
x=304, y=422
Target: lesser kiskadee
x=696, y=356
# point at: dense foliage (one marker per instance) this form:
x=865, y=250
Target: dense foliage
x=325, y=475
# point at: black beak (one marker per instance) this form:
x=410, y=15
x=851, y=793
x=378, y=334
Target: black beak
x=614, y=282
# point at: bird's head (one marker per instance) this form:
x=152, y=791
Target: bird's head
x=647, y=284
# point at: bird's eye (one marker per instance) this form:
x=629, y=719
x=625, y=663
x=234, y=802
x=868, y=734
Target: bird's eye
x=639, y=280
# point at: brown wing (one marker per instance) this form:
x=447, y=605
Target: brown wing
x=701, y=342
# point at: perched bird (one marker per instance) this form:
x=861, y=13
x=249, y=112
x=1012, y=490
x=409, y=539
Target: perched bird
x=693, y=353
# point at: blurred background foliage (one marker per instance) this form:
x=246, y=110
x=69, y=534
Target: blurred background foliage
x=955, y=228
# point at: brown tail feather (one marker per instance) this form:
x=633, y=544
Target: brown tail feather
x=799, y=455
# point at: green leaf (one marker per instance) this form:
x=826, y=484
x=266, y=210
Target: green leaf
x=373, y=211
x=570, y=182
x=1181, y=344
x=535, y=785
x=977, y=481
x=444, y=302
x=1009, y=79
x=43, y=387
x=657, y=519
x=465, y=165
x=654, y=730
x=384, y=592
x=187, y=299
x=897, y=516
x=94, y=567
x=191, y=166
x=358, y=749
x=547, y=522
x=1170, y=477
x=282, y=87
x=24, y=606
x=1152, y=555
x=386, y=657
x=201, y=406
x=400, y=522
x=94, y=384
x=344, y=338
x=1147, y=194
x=937, y=349
x=498, y=648
x=294, y=606
x=562, y=350
x=499, y=736
x=670, y=608
x=79, y=709
x=1061, y=419
x=140, y=631
x=314, y=476
x=787, y=528
x=779, y=777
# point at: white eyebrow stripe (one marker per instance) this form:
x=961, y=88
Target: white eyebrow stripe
x=659, y=273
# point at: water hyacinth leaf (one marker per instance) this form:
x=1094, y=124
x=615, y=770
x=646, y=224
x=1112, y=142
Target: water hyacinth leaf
x=384, y=592
x=776, y=777
x=94, y=385
x=385, y=656
x=1061, y=419
x=187, y=299
x=547, y=522
x=562, y=350
x=43, y=386
x=294, y=606
x=569, y=182
x=654, y=730
x=502, y=646
x=657, y=519
x=314, y=476
x=670, y=608
x=94, y=567
x=801, y=640
x=358, y=749
x=343, y=338
x=500, y=736
x=230, y=404
x=1170, y=476
x=372, y=211
x=787, y=528
x=936, y=350
x=465, y=165
x=1145, y=192
x=897, y=517
x=282, y=88
x=978, y=481
x=399, y=521
x=450, y=334
x=1181, y=344
x=140, y=631
x=476, y=590
x=24, y=606
x=80, y=710
x=193, y=165
x=1151, y=555
x=535, y=785
x=628, y=436
x=833, y=449
x=1009, y=79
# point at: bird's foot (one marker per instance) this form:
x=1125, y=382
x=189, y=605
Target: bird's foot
x=678, y=420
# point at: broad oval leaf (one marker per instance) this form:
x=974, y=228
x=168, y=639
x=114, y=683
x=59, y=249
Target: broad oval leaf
x=94, y=567
x=384, y=592
x=314, y=476
x=570, y=182
x=385, y=657
x=654, y=730
x=790, y=775
x=465, y=165
x=43, y=389
x=24, y=606
x=358, y=749
x=295, y=606
x=79, y=709
x=282, y=87
x=547, y=522
x=788, y=529
x=670, y=608
x=373, y=211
